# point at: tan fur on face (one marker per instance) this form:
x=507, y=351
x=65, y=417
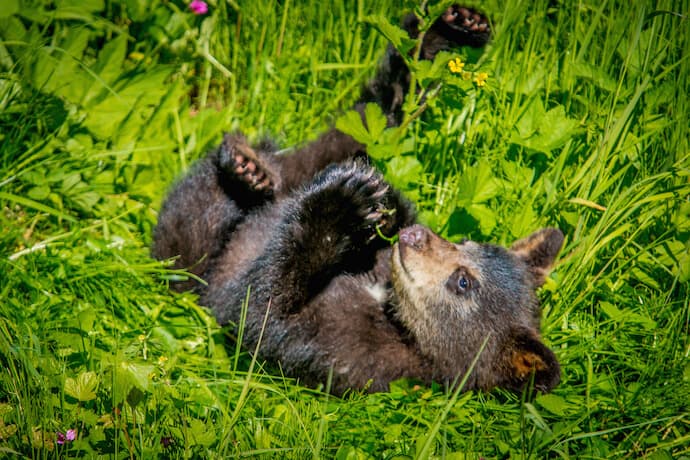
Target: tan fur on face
x=425, y=271
x=419, y=279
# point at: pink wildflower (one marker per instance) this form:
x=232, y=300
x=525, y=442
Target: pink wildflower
x=69, y=436
x=198, y=7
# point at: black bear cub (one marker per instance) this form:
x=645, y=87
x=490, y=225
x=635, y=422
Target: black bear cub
x=297, y=236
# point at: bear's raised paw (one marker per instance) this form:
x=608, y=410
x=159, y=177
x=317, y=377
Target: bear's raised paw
x=366, y=200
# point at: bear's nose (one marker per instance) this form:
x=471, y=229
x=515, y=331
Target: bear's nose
x=415, y=236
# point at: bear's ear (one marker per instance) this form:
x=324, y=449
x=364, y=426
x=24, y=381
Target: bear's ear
x=527, y=356
x=539, y=250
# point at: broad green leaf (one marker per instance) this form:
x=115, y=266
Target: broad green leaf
x=376, y=121
x=404, y=171
x=139, y=374
x=523, y=221
x=70, y=181
x=137, y=10
x=556, y=129
x=128, y=375
x=661, y=454
x=380, y=151
x=161, y=125
x=350, y=453
x=528, y=123
x=536, y=418
x=201, y=434
x=681, y=218
x=12, y=28
x=477, y=185
x=428, y=72
x=544, y=131
x=422, y=70
x=486, y=217
x=135, y=396
x=626, y=316
x=202, y=394
x=39, y=192
x=69, y=79
x=421, y=443
x=104, y=119
x=86, y=200
x=83, y=388
x=122, y=116
x=395, y=35
x=42, y=70
x=166, y=339
x=146, y=90
x=351, y=123
x=108, y=67
x=596, y=74
x=530, y=81
x=611, y=311
x=430, y=219
x=518, y=176
x=553, y=403
x=79, y=6
x=86, y=318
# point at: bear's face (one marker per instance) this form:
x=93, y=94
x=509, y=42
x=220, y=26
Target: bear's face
x=452, y=296
x=460, y=280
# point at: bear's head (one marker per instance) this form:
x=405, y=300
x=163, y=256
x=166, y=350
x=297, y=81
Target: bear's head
x=453, y=297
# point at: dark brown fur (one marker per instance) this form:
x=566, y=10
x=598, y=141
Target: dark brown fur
x=300, y=232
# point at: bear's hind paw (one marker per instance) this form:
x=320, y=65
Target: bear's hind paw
x=242, y=162
x=464, y=26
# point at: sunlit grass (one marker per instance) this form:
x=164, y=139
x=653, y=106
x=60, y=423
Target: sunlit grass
x=582, y=124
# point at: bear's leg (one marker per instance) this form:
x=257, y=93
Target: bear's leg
x=206, y=205
x=457, y=26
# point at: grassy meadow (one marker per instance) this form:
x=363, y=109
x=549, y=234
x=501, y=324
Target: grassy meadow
x=581, y=121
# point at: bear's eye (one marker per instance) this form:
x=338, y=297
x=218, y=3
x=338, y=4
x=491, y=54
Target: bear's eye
x=463, y=284
x=460, y=282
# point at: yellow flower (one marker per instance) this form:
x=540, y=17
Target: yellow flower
x=456, y=65
x=162, y=360
x=480, y=78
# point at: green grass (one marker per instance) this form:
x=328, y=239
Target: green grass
x=583, y=124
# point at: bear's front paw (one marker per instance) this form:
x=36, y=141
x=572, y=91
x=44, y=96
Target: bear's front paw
x=239, y=160
x=359, y=198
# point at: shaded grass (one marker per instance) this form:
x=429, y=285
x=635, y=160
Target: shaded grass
x=583, y=125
